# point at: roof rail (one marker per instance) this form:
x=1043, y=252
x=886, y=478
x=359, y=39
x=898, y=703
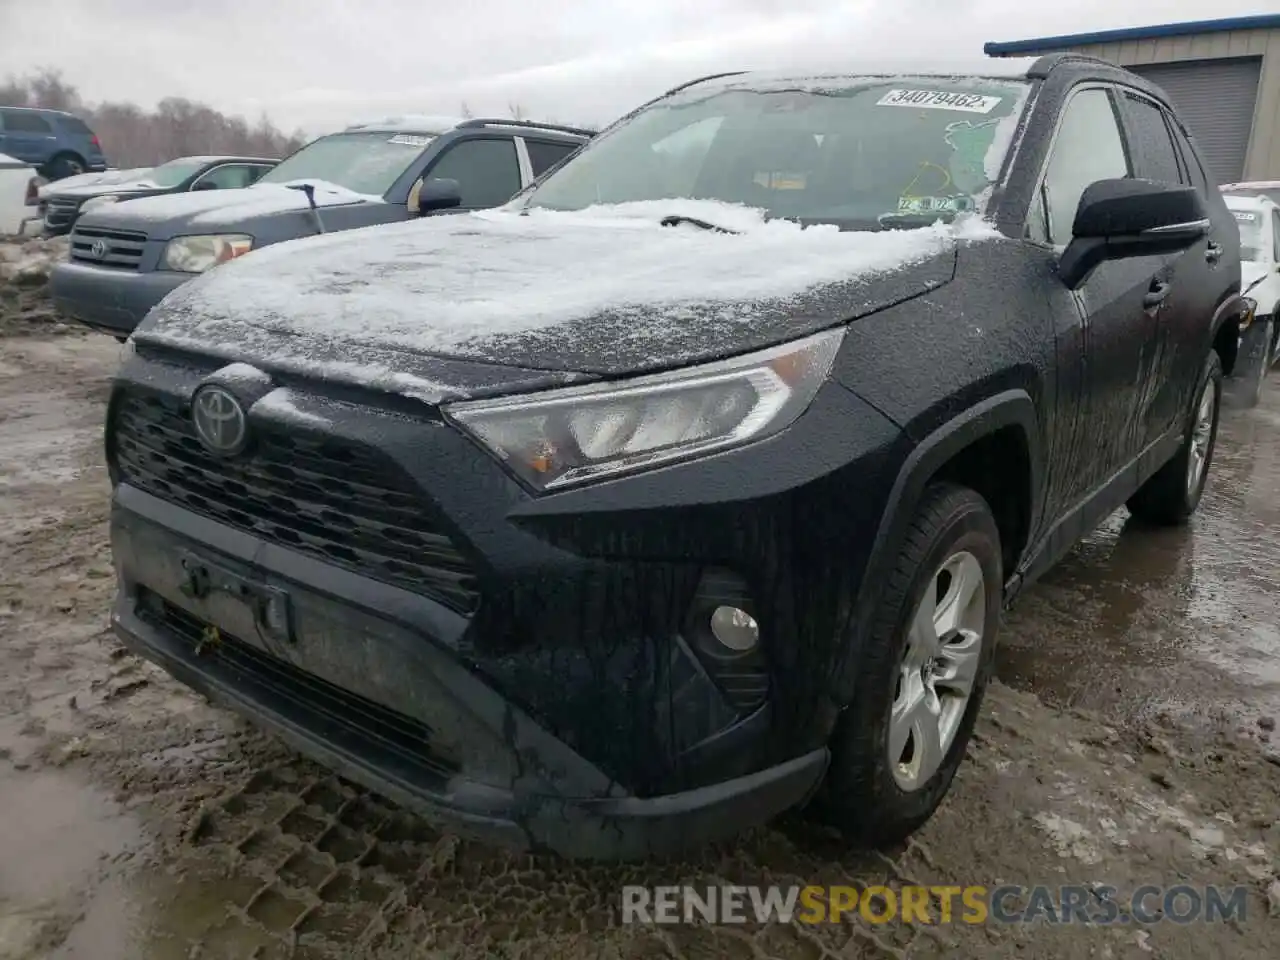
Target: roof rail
x=525, y=124
x=697, y=80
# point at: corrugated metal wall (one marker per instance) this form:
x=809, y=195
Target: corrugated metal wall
x=1262, y=159
x=1216, y=99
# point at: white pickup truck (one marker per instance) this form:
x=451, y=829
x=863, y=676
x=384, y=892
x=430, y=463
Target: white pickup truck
x=1258, y=217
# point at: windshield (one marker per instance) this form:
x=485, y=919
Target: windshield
x=172, y=173
x=1250, y=224
x=868, y=153
x=365, y=162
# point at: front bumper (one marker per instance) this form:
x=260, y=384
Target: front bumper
x=479, y=765
x=110, y=300
x=494, y=659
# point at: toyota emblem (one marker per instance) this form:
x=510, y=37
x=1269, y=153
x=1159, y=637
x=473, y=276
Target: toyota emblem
x=99, y=249
x=219, y=420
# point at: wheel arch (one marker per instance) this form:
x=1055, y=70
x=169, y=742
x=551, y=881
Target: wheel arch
x=1011, y=413
x=1226, y=318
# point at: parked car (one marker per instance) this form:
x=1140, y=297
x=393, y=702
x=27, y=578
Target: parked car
x=1258, y=218
x=56, y=143
x=688, y=486
x=60, y=208
x=124, y=258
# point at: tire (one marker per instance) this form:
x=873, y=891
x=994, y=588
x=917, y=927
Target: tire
x=871, y=798
x=64, y=165
x=1243, y=389
x=1172, y=494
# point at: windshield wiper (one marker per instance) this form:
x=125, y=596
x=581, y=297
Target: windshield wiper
x=676, y=219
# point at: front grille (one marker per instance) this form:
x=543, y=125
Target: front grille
x=121, y=249
x=345, y=503
x=314, y=703
x=60, y=212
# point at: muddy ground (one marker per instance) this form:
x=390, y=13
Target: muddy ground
x=1128, y=742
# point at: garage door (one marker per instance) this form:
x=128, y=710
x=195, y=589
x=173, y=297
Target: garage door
x=1216, y=98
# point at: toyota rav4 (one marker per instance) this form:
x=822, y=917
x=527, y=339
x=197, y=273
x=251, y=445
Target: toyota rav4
x=688, y=486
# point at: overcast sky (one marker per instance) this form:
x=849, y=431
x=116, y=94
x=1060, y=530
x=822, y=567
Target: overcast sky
x=321, y=63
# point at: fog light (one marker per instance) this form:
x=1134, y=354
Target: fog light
x=735, y=628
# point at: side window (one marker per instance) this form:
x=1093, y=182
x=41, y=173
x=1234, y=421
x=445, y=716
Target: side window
x=1275, y=235
x=543, y=155
x=1190, y=161
x=1153, y=153
x=18, y=121
x=229, y=176
x=1088, y=148
x=487, y=171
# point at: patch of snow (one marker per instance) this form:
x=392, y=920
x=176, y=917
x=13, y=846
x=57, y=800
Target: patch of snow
x=409, y=123
x=1002, y=144
x=280, y=403
x=1069, y=838
x=243, y=374
x=94, y=179
x=438, y=284
x=815, y=76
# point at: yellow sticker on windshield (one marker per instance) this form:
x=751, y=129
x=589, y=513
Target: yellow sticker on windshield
x=774, y=180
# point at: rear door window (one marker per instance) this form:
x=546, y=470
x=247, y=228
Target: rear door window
x=1150, y=142
x=543, y=154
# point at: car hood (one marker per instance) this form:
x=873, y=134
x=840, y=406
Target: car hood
x=128, y=188
x=604, y=292
x=217, y=211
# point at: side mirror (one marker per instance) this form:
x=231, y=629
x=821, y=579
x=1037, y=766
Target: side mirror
x=438, y=194
x=1131, y=218
x=205, y=185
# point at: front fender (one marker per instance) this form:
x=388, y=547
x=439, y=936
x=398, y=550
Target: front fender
x=1009, y=408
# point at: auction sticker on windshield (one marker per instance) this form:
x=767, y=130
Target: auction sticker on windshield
x=939, y=100
x=410, y=140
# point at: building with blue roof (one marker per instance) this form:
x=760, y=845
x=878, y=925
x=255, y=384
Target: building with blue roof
x=1223, y=75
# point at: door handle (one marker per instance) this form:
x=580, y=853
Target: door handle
x=1213, y=253
x=1155, y=296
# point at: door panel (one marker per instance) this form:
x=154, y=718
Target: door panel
x=1117, y=328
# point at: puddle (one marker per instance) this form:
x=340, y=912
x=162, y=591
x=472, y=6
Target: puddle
x=1136, y=620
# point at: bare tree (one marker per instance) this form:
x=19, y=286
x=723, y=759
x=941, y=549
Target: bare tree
x=465, y=111
x=516, y=110
x=134, y=137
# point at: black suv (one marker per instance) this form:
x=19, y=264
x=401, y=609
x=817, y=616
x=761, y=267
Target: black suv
x=125, y=258
x=688, y=486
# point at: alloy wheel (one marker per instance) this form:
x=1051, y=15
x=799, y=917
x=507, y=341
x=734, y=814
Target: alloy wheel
x=1201, y=436
x=939, y=670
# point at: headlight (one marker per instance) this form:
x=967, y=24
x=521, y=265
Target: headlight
x=198, y=254
x=564, y=437
x=98, y=202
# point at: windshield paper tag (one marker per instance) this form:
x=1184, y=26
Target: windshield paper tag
x=939, y=100
x=410, y=140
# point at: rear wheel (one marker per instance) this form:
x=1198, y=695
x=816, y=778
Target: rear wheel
x=1172, y=494
x=64, y=165
x=922, y=674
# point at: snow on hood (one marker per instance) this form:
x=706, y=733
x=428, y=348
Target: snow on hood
x=93, y=180
x=457, y=285
x=213, y=208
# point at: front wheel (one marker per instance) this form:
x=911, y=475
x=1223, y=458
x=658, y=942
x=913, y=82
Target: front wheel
x=922, y=674
x=1173, y=492
x=1245, y=385
x=65, y=165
